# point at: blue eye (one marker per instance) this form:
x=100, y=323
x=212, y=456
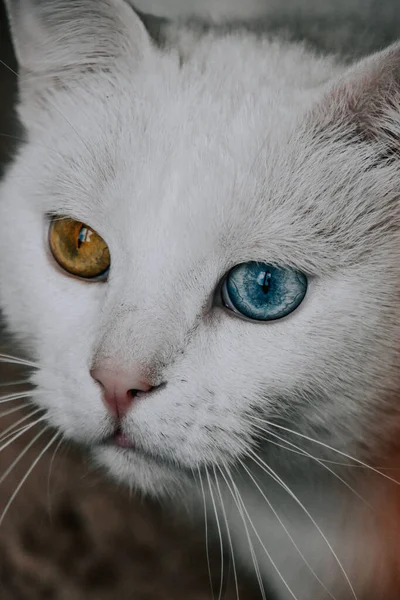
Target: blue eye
x=261, y=292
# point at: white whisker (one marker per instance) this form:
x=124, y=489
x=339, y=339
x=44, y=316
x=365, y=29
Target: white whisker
x=324, y=445
x=17, y=434
x=219, y=535
x=320, y=462
x=22, y=454
x=9, y=431
x=11, y=411
x=206, y=533
x=267, y=469
x=285, y=529
x=49, y=474
x=237, y=500
x=14, y=383
x=228, y=534
x=301, y=452
x=29, y=471
x=22, y=362
x=16, y=396
x=267, y=553
x=15, y=360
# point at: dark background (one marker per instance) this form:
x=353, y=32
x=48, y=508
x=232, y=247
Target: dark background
x=7, y=91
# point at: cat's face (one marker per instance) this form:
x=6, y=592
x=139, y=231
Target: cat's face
x=187, y=168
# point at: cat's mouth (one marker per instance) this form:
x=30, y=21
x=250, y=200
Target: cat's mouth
x=120, y=440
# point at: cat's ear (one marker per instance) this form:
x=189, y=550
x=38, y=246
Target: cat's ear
x=64, y=38
x=366, y=99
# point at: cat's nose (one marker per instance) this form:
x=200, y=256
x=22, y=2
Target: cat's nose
x=119, y=389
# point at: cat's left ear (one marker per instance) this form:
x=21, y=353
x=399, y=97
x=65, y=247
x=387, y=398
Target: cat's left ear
x=65, y=38
x=367, y=99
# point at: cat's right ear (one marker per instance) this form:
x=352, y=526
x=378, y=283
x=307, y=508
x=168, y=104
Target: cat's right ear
x=59, y=40
x=365, y=100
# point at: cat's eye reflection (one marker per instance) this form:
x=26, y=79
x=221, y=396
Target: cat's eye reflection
x=78, y=249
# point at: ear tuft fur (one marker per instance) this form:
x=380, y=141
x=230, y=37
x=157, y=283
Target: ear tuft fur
x=57, y=37
x=367, y=101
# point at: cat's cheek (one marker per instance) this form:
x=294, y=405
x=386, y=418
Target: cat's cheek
x=72, y=402
x=39, y=301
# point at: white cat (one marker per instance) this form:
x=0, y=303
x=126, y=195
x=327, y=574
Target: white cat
x=200, y=249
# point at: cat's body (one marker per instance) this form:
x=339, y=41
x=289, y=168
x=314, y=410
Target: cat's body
x=210, y=151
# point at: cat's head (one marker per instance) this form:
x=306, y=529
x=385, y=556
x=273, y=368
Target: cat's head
x=184, y=163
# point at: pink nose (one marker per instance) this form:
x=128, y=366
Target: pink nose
x=119, y=389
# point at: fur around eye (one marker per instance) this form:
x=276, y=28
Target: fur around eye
x=260, y=292
x=78, y=249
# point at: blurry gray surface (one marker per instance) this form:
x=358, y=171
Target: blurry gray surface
x=352, y=28
x=220, y=9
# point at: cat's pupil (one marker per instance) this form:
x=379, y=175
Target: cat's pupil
x=264, y=281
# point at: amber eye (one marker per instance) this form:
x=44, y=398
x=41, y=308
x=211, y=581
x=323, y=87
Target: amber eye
x=78, y=249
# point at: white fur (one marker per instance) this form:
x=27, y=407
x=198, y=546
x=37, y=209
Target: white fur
x=188, y=162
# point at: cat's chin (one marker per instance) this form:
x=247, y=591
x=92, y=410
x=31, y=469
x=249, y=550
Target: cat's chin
x=141, y=471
